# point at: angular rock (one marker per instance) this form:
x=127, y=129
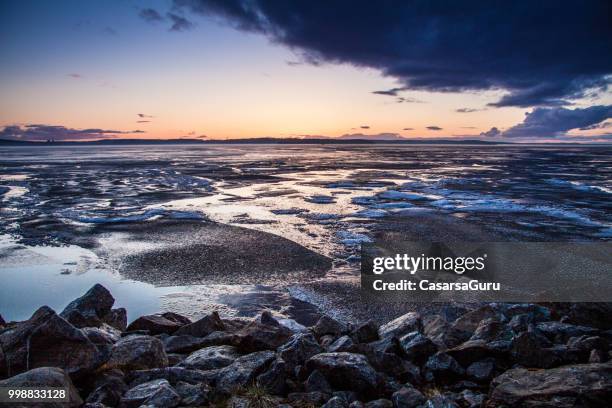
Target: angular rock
x=155, y=324
x=470, y=320
x=117, y=318
x=335, y=402
x=174, y=375
x=47, y=340
x=90, y=309
x=402, y=325
x=328, y=326
x=175, y=317
x=316, y=381
x=45, y=377
x=531, y=350
x=537, y=313
x=417, y=347
x=443, y=368
x=210, y=358
x=443, y=333
x=2, y=322
x=379, y=403
x=583, y=385
x=103, y=335
x=474, y=350
x=482, y=370
x=243, y=371
x=407, y=397
x=470, y=399
x=193, y=395
x=298, y=349
x=386, y=345
x=366, y=332
x=344, y=343
x=441, y=401
x=202, y=327
x=307, y=399
x=263, y=334
x=156, y=393
x=273, y=380
x=346, y=371
x=558, y=332
x=138, y=353
x=492, y=329
x=184, y=343
x=109, y=392
x=590, y=314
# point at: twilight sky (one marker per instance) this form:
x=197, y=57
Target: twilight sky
x=235, y=68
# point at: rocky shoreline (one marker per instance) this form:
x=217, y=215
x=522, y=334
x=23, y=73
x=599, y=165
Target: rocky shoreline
x=498, y=355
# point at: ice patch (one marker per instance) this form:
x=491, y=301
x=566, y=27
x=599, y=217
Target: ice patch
x=364, y=200
x=352, y=238
x=579, y=186
x=371, y=213
x=143, y=216
x=401, y=195
x=387, y=206
x=321, y=199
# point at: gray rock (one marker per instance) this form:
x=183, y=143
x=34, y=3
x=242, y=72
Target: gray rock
x=346, y=371
x=475, y=350
x=470, y=320
x=202, y=327
x=443, y=334
x=537, y=313
x=386, y=345
x=45, y=377
x=138, y=353
x=307, y=398
x=117, y=318
x=366, y=332
x=443, y=368
x=273, y=380
x=210, y=358
x=335, y=402
x=298, y=349
x=492, y=329
x=193, y=395
x=103, y=335
x=109, y=392
x=243, y=371
x=262, y=334
x=379, y=403
x=316, y=381
x=47, y=340
x=582, y=385
x=470, y=399
x=441, y=401
x=590, y=314
x=597, y=356
x=531, y=350
x=156, y=393
x=417, y=347
x=482, y=371
x=90, y=309
x=155, y=324
x=402, y=325
x=343, y=343
x=174, y=375
x=407, y=397
x=175, y=317
x=328, y=326
x=558, y=332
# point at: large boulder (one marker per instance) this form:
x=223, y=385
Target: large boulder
x=408, y=397
x=156, y=393
x=469, y=321
x=187, y=344
x=298, y=349
x=155, y=324
x=347, y=371
x=203, y=327
x=92, y=309
x=558, y=332
x=417, y=347
x=591, y=314
x=138, y=353
x=329, y=326
x=45, y=377
x=243, y=371
x=47, y=340
x=261, y=334
x=210, y=358
x=174, y=375
x=441, y=332
x=583, y=385
x=402, y=325
x=443, y=368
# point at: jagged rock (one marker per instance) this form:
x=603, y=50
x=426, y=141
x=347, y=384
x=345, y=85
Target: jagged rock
x=482, y=370
x=187, y=343
x=238, y=402
x=470, y=320
x=262, y=334
x=210, y=358
x=597, y=356
x=356, y=404
x=470, y=399
x=346, y=371
x=174, y=375
x=109, y=392
x=45, y=377
x=175, y=317
x=537, y=313
x=90, y=309
x=441, y=401
x=328, y=326
x=273, y=380
x=243, y=371
x=155, y=324
x=474, y=350
x=307, y=398
x=346, y=396
x=317, y=382
x=138, y=353
x=379, y=403
x=492, y=329
x=558, y=332
x=156, y=393
x=193, y=395
x=174, y=359
x=443, y=368
x=583, y=385
x=47, y=340
x=591, y=314
x=402, y=325
x=344, y=343
x=103, y=335
x=417, y=347
x=386, y=345
x=117, y=318
x=2, y=322
x=335, y=402
x=407, y=397
x=326, y=341
x=202, y=327
x=443, y=334
x=366, y=332
x=298, y=349
x=532, y=350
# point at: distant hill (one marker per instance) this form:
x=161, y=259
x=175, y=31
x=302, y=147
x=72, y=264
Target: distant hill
x=260, y=140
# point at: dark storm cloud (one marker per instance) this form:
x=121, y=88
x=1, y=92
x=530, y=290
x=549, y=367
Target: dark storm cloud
x=554, y=122
x=434, y=128
x=38, y=132
x=179, y=23
x=541, y=53
x=150, y=15
x=491, y=132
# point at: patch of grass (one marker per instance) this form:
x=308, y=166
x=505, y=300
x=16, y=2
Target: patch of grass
x=258, y=397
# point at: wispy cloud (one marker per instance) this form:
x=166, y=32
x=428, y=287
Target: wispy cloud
x=179, y=23
x=150, y=15
x=436, y=128
x=38, y=132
